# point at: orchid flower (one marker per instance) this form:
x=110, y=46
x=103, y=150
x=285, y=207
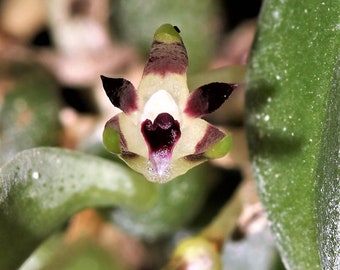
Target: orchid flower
x=159, y=132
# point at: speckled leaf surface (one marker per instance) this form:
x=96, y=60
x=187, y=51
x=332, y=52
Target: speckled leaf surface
x=293, y=127
x=42, y=187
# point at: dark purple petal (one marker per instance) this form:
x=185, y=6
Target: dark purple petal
x=208, y=98
x=161, y=137
x=121, y=93
x=167, y=58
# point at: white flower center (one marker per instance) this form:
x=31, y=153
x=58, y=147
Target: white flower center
x=160, y=102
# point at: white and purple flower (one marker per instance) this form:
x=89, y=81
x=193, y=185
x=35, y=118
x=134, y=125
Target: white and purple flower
x=159, y=132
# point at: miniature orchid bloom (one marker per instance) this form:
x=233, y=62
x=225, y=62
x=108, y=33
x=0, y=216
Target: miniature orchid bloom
x=159, y=132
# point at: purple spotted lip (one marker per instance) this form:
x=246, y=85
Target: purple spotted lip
x=161, y=136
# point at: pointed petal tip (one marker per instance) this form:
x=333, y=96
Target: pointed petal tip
x=208, y=98
x=233, y=85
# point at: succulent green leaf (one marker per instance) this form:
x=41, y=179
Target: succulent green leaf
x=327, y=199
x=84, y=255
x=41, y=188
x=177, y=203
x=43, y=254
x=292, y=100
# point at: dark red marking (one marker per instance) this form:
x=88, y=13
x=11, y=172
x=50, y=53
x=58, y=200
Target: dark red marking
x=195, y=157
x=208, y=98
x=161, y=135
x=113, y=123
x=121, y=93
x=128, y=155
x=167, y=58
x=211, y=136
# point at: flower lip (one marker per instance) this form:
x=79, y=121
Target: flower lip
x=161, y=137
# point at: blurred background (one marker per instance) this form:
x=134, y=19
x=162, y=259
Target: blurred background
x=67, y=44
x=52, y=54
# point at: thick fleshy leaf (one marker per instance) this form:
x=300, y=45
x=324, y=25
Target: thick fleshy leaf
x=177, y=203
x=41, y=188
x=121, y=93
x=292, y=99
x=208, y=98
x=327, y=185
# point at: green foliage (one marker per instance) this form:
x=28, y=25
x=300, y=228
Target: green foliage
x=41, y=188
x=177, y=202
x=327, y=179
x=30, y=111
x=86, y=255
x=293, y=127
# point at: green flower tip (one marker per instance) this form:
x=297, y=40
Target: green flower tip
x=168, y=33
x=221, y=148
x=111, y=140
